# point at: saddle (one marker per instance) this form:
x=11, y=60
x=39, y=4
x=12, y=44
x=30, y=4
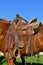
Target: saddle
x=23, y=31
x=26, y=30
x=34, y=26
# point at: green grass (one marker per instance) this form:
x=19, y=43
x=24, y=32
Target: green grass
x=35, y=60
x=2, y=61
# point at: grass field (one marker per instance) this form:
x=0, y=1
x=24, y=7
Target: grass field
x=35, y=60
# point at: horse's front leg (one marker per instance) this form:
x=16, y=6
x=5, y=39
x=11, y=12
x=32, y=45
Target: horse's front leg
x=9, y=61
x=23, y=60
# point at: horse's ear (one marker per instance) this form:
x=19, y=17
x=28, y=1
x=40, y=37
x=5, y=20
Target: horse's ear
x=33, y=20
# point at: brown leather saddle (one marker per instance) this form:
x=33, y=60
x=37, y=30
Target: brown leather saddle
x=34, y=26
x=22, y=30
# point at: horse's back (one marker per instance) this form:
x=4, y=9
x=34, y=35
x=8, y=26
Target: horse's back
x=4, y=25
x=4, y=21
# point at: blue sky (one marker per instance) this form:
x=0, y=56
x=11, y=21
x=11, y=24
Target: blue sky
x=28, y=9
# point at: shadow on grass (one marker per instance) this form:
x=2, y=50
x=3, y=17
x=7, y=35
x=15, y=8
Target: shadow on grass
x=17, y=63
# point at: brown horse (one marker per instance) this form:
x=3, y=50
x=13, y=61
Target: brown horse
x=20, y=36
x=21, y=33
